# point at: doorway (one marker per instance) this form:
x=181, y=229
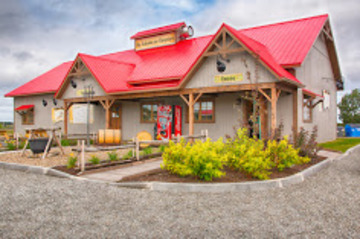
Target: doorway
x=115, y=116
x=260, y=126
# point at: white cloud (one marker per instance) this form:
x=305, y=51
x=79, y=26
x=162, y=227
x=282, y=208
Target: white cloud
x=36, y=36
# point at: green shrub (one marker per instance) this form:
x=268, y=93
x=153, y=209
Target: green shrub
x=283, y=155
x=10, y=146
x=162, y=148
x=113, y=156
x=247, y=155
x=128, y=155
x=94, y=159
x=71, y=163
x=68, y=142
x=203, y=160
x=147, y=151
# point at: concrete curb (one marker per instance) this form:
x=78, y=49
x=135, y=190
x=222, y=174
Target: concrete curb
x=190, y=187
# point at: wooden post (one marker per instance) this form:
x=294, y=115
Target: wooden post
x=133, y=149
x=137, y=145
x=82, y=155
x=26, y=143
x=48, y=146
x=273, y=110
x=78, y=147
x=263, y=117
x=107, y=115
x=295, y=112
x=191, y=114
x=65, y=118
x=17, y=140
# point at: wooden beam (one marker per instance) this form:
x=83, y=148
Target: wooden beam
x=217, y=45
x=191, y=114
x=184, y=98
x=230, y=44
x=197, y=97
x=103, y=103
x=273, y=111
x=226, y=51
x=278, y=94
x=224, y=40
x=263, y=117
x=107, y=115
x=174, y=92
x=66, y=118
x=295, y=112
x=264, y=94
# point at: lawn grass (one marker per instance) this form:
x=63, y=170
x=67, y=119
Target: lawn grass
x=340, y=144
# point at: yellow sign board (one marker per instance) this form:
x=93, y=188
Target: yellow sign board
x=228, y=78
x=155, y=41
x=57, y=115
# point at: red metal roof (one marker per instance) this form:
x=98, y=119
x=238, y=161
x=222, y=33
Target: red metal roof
x=158, y=30
x=48, y=82
x=288, y=42
x=263, y=54
x=24, y=107
x=164, y=67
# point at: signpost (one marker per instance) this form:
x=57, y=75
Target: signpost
x=88, y=93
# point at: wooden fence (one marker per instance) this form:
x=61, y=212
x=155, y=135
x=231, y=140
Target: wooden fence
x=136, y=146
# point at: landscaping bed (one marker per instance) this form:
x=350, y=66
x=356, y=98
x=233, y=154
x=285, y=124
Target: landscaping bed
x=162, y=175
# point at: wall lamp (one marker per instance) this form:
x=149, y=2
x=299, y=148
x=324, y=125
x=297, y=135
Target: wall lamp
x=220, y=65
x=44, y=102
x=55, y=101
x=73, y=84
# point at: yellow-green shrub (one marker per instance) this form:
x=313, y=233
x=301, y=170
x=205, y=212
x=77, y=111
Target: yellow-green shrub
x=283, y=155
x=247, y=155
x=202, y=159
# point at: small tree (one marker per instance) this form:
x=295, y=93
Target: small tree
x=350, y=107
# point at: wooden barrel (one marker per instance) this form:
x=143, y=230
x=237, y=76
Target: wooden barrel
x=109, y=136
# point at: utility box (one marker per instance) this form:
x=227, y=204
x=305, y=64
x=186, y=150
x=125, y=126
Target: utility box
x=352, y=130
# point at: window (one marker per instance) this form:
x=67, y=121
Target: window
x=307, y=110
x=204, y=111
x=27, y=117
x=148, y=112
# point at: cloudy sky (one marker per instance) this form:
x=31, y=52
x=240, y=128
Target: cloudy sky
x=36, y=35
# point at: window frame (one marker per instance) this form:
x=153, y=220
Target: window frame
x=142, y=121
x=310, y=107
x=201, y=121
x=25, y=117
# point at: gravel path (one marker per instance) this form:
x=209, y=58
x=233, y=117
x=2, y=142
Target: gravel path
x=326, y=205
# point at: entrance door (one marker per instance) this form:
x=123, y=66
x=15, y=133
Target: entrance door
x=248, y=114
x=115, y=116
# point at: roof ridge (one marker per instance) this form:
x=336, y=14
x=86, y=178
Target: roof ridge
x=285, y=22
x=106, y=59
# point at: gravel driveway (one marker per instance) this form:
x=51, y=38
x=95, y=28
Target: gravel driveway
x=325, y=205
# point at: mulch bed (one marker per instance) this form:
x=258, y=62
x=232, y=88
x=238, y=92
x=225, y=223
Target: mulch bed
x=231, y=175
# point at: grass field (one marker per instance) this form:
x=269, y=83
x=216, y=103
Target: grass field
x=340, y=144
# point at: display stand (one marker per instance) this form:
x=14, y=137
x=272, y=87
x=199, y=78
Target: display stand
x=52, y=132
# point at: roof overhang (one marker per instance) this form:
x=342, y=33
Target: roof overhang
x=24, y=108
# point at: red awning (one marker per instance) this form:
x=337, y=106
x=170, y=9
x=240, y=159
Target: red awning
x=310, y=93
x=24, y=107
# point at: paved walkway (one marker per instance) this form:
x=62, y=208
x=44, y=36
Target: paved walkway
x=118, y=174
x=328, y=154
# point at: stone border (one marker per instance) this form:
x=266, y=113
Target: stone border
x=190, y=187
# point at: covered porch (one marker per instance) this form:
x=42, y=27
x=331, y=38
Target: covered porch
x=124, y=112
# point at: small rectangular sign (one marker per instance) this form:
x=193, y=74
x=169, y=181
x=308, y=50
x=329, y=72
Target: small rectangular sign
x=155, y=41
x=228, y=78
